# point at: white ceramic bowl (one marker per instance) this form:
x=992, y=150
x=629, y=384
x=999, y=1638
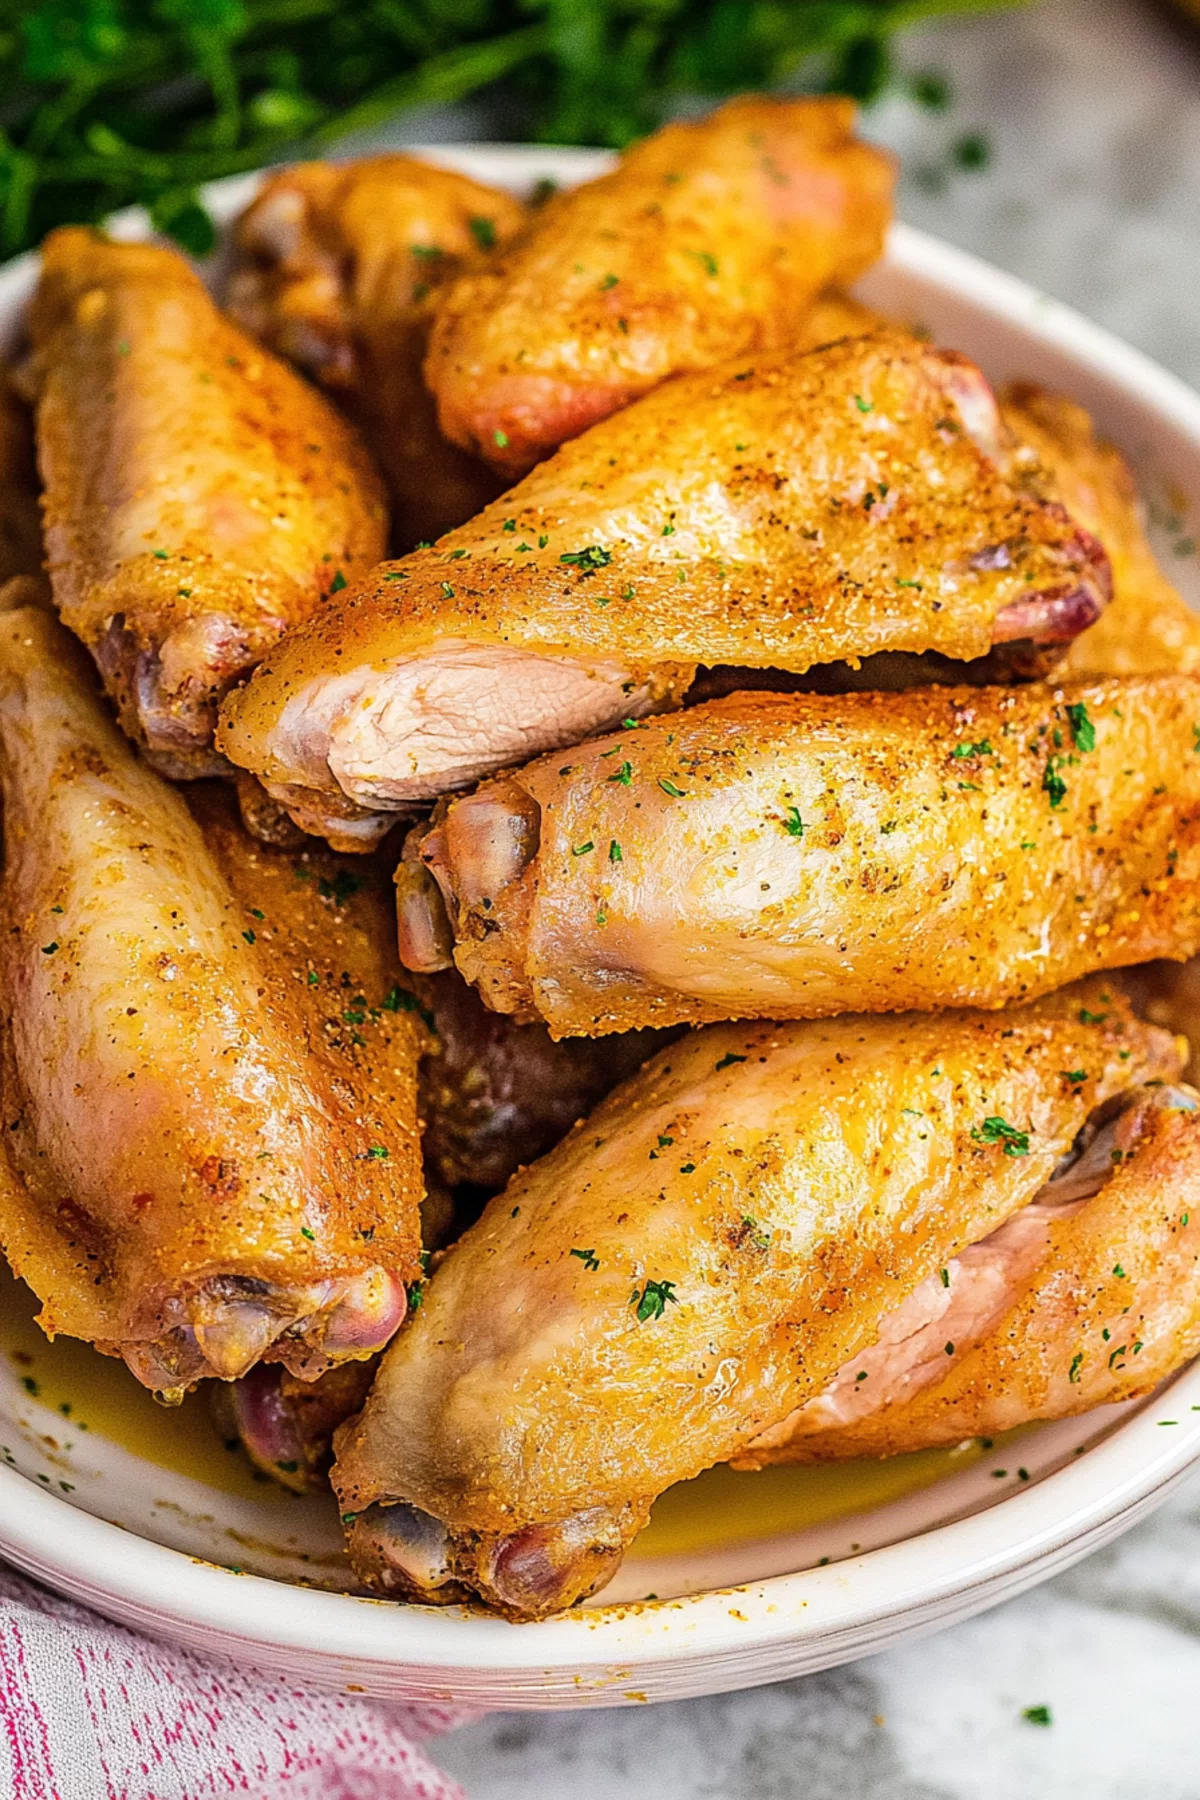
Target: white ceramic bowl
x=176, y=1555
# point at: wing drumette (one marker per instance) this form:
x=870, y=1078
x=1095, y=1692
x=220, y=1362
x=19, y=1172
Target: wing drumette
x=209, y=1076
x=1090, y=1295
x=787, y=512
x=695, y=1262
x=339, y=266
x=710, y=240
x=793, y=856
x=200, y=497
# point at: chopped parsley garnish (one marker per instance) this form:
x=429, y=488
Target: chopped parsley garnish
x=652, y=1302
x=484, y=232
x=500, y=439
x=995, y=1130
x=668, y=787
x=729, y=1059
x=588, y=1258
x=1053, y=782
x=49, y=949
x=1083, y=732
x=1036, y=1715
x=448, y=590
x=250, y=936
x=306, y=1233
x=624, y=775
x=949, y=1349
x=945, y=1275
x=160, y=554
x=1076, y=1365
x=378, y=1153
x=338, y=583
x=963, y=750
x=340, y=888
x=758, y=1237
x=594, y=557
x=582, y=849
x=614, y=851
x=972, y=151
x=1091, y=1018
x=1074, y=1076
x=610, y=281
x=416, y=1296
x=864, y=406
x=793, y=824
x=706, y=259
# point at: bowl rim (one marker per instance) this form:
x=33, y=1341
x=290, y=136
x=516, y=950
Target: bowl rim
x=853, y=1605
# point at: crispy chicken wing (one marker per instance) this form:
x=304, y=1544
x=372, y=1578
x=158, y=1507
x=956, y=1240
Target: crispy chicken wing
x=710, y=240
x=1090, y=1295
x=789, y=511
x=697, y=1260
x=200, y=497
x=1148, y=628
x=794, y=856
x=208, y=1076
x=338, y=268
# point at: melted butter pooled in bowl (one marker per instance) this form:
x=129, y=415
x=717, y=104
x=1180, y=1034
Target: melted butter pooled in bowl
x=97, y=1396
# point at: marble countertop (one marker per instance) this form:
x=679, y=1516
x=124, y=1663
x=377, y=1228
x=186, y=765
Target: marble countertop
x=1091, y=111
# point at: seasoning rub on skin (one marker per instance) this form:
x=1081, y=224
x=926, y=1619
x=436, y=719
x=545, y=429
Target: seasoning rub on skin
x=787, y=511
x=1090, y=1295
x=722, y=1234
x=795, y=856
x=200, y=496
x=711, y=239
x=208, y=1071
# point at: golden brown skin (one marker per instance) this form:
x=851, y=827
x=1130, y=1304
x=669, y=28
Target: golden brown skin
x=691, y=1264
x=794, y=856
x=710, y=240
x=792, y=510
x=208, y=1075
x=200, y=496
x=1110, y=1309
x=1148, y=628
x=20, y=517
x=338, y=268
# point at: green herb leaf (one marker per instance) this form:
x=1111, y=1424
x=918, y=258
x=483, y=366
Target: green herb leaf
x=995, y=1130
x=1083, y=731
x=653, y=1300
x=592, y=558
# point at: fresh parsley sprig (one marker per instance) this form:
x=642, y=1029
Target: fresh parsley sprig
x=108, y=102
